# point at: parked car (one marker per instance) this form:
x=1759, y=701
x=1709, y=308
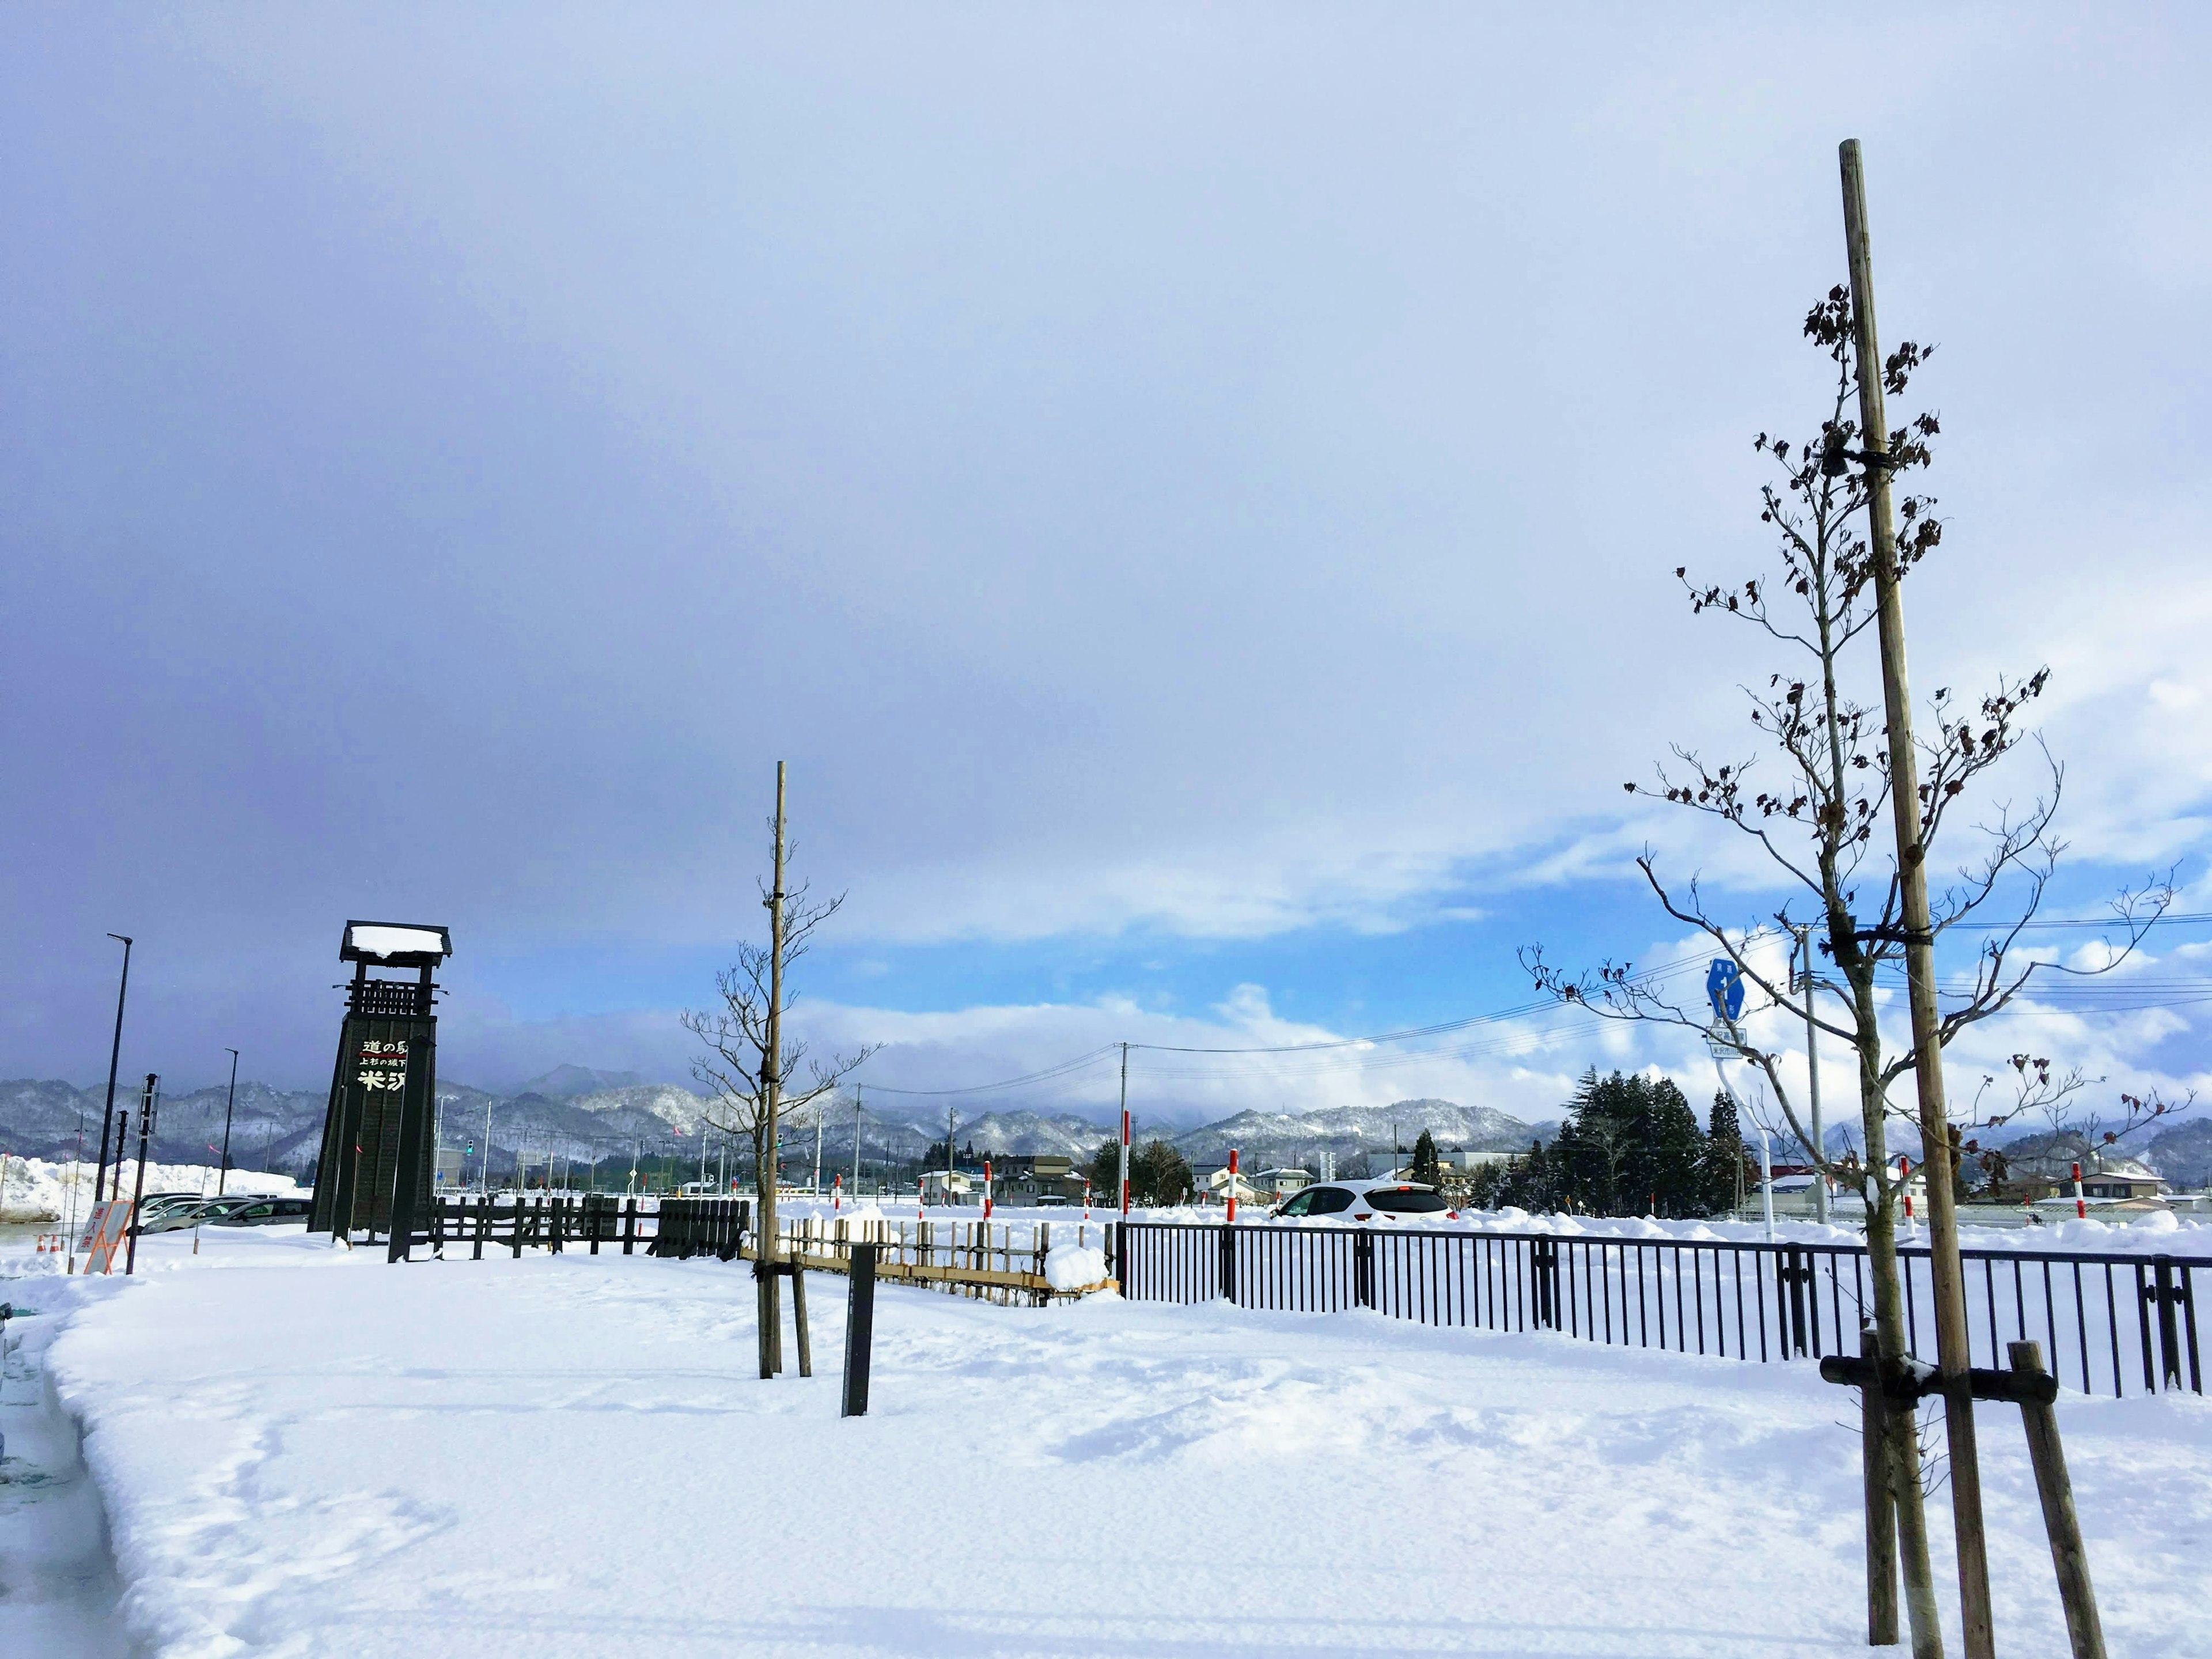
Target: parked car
x=1366, y=1201
x=155, y=1203
x=268, y=1213
x=193, y=1214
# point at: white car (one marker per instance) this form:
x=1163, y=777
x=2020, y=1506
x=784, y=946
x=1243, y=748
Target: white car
x=1366, y=1201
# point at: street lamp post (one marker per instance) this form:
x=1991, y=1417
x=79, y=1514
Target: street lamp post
x=114, y=1055
x=222, y=1175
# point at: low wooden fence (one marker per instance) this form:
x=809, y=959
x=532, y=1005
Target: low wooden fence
x=955, y=1256
x=2108, y=1320
x=996, y=1261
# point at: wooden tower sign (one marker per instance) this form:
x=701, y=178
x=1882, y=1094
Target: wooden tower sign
x=375, y=1171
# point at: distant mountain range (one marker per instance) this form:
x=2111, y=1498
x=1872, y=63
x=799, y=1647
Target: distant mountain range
x=578, y=1115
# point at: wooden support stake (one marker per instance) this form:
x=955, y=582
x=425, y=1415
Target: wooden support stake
x=765, y=1314
x=1881, y=1507
x=2083, y=1628
x=859, y=1330
x=798, y=1318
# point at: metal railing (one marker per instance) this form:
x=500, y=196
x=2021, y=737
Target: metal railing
x=2104, y=1320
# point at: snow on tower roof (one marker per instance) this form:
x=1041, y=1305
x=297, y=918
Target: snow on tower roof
x=384, y=941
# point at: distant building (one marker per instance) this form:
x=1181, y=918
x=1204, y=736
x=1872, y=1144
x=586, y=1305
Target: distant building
x=949, y=1187
x=1026, y=1178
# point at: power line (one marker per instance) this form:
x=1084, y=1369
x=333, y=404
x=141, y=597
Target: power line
x=1062, y=1069
x=2120, y=996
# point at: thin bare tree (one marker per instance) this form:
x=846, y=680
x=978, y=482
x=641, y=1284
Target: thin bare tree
x=1811, y=798
x=749, y=1063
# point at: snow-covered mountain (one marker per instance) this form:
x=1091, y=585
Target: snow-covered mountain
x=1348, y=1131
x=571, y=1082
x=1023, y=1132
x=281, y=1130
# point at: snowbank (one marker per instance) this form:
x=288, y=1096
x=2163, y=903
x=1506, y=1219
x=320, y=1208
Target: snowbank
x=34, y=1189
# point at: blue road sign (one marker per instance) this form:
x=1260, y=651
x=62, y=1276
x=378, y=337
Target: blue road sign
x=1725, y=987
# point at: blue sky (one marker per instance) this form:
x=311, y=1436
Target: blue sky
x=1192, y=494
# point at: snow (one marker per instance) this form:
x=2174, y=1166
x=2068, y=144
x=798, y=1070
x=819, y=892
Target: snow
x=35, y=1189
x=304, y=1450
x=375, y=939
x=1071, y=1268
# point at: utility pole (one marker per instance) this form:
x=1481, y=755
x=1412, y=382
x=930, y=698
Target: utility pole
x=487, y=1163
x=1812, y=1084
x=1946, y=1269
x=114, y=1055
x=145, y=1133
x=818, y=1154
x=1125, y=1132
x=222, y=1175
x=856, y=1141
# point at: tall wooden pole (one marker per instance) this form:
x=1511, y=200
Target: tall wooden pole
x=1946, y=1268
x=767, y=1252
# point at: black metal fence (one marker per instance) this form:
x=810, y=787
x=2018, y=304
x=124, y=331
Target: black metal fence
x=2104, y=1320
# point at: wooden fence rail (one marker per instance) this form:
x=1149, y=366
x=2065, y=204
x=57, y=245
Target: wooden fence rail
x=996, y=1261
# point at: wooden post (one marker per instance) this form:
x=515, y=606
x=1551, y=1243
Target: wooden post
x=629, y=1226
x=859, y=1330
x=2083, y=1628
x=1946, y=1268
x=1880, y=1508
x=483, y=1227
x=764, y=1311
x=798, y=1318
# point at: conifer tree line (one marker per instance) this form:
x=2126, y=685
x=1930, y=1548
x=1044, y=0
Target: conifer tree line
x=1630, y=1145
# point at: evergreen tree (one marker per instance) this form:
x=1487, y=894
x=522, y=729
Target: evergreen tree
x=1103, y=1172
x=1724, y=1155
x=1425, y=1166
x=1630, y=1145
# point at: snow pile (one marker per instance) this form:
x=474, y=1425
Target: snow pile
x=34, y=1189
x=1072, y=1268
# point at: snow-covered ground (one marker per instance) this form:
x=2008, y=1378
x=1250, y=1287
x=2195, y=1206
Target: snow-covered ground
x=305, y=1451
x=35, y=1189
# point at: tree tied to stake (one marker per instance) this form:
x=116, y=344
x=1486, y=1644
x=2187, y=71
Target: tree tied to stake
x=749, y=1063
x=1811, y=796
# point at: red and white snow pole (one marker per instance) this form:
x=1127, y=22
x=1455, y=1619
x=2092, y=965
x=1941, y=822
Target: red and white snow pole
x=987, y=1189
x=1125, y=1162
x=1232, y=1186
x=1905, y=1165
x=1086, y=1200
x=2080, y=1210
x=836, y=1194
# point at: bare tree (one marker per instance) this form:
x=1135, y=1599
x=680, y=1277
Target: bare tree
x=749, y=1063
x=1810, y=798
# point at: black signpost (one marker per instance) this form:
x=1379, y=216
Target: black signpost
x=376, y=1153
